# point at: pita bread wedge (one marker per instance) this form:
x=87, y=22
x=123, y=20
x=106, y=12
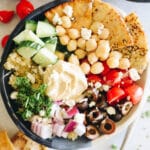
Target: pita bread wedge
x=138, y=53
x=5, y=143
x=109, y=16
x=21, y=142
x=82, y=13
x=136, y=31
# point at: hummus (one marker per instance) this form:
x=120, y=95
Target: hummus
x=65, y=81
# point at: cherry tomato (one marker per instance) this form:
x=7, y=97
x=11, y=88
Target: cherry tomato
x=106, y=68
x=94, y=78
x=135, y=93
x=126, y=81
x=113, y=77
x=24, y=8
x=4, y=40
x=114, y=95
x=6, y=15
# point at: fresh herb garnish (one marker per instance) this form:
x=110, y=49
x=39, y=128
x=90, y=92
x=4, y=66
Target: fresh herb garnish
x=114, y=147
x=146, y=114
x=31, y=101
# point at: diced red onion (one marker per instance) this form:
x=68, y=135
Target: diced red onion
x=70, y=126
x=72, y=111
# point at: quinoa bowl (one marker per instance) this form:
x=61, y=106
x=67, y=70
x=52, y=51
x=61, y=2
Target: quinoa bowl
x=89, y=108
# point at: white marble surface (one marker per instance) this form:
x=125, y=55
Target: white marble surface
x=141, y=136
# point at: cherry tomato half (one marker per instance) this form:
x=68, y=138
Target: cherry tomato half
x=94, y=78
x=114, y=95
x=24, y=8
x=126, y=81
x=135, y=93
x=4, y=40
x=113, y=77
x=6, y=15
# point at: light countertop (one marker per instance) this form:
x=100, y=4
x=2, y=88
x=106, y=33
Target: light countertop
x=141, y=136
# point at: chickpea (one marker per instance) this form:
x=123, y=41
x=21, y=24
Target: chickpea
x=94, y=36
x=85, y=67
x=113, y=62
x=60, y=55
x=80, y=53
x=64, y=40
x=72, y=45
x=124, y=63
x=91, y=45
x=60, y=30
x=103, y=50
x=105, y=34
x=81, y=43
x=92, y=58
x=66, y=22
x=97, y=68
x=74, y=59
x=115, y=54
x=97, y=27
x=73, y=33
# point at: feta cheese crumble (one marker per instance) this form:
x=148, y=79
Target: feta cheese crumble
x=68, y=11
x=57, y=19
x=86, y=33
x=133, y=74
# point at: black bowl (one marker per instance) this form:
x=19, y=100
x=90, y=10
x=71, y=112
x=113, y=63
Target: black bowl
x=11, y=106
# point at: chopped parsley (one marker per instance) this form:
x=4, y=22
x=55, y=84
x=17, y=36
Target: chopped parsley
x=146, y=114
x=31, y=101
x=114, y=147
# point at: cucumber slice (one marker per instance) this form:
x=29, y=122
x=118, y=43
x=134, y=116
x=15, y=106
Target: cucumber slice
x=28, y=35
x=31, y=25
x=45, y=29
x=27, y=49
x=50, y=43
x=45, y=57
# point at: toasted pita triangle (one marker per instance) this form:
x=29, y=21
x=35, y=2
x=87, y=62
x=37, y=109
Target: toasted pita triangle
x=22, y=142
x=139, y=52
x=5, y=143
x=82, y=12
x=109, y=16
x=136, y=30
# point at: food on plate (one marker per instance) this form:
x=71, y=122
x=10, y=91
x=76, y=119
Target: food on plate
x=140, y=42
x=6, y=15
x=75, y=74
x=22, y=142
x=4, y=40
x=24, y=8
x=5, y=142
x=111, y=18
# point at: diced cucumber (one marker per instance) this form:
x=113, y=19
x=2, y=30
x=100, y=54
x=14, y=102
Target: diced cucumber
x=28, y=35
x=45, y=57
x=31, y=25
x=50, y=43
x=27, y=49
x=45, y=29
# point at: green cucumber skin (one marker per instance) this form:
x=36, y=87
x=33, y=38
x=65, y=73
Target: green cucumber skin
x=50, y=43
x=28, y=35
x=28, y=49
x=31, y=25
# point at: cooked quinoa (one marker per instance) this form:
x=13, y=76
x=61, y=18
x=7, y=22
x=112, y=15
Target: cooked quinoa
x=23, y=67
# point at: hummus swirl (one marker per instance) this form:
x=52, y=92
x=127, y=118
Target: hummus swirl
x=65, y=81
